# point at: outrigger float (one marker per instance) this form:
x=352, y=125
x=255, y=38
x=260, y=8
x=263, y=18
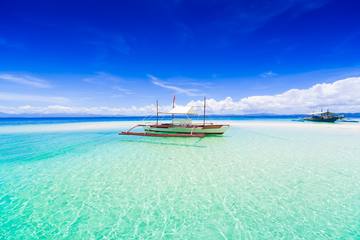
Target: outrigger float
x=179, y=127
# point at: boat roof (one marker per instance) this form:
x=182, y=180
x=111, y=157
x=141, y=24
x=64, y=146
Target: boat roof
x=316, y=113
x=319, y=113
x=184, y=110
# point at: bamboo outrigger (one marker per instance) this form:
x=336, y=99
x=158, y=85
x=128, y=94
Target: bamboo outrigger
x=182, y=128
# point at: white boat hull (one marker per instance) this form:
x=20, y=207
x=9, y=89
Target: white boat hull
x=181, y=129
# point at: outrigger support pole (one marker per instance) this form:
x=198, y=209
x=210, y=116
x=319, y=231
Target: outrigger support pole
x=204, y=111
x=157, y=112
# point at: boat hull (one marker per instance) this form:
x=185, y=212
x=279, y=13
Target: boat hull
x=207, y=129
x=153, y=134
x=329, y=120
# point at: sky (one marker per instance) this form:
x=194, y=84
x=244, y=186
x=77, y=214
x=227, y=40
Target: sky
x=119, y=57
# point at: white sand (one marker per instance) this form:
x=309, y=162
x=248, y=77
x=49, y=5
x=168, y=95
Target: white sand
x=121, y=125
x=64, y=127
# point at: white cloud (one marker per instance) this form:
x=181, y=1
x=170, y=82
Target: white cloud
x=25, y=80
x=123, y=90
x=102, y=78
x=176, y=89
x=59, y=109
x=268, y=74
x=340, y=96
x=105, y=80
x=14, y=97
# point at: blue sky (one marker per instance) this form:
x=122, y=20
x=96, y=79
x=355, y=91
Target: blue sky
x=118, y=54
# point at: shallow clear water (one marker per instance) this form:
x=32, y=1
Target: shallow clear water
x=256, y=182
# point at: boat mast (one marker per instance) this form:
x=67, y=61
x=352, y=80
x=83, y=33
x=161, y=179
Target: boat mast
x=204, y=111
x=173, y=105
x=157, y=112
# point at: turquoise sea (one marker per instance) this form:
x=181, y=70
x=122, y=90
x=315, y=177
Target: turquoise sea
x=264, y=179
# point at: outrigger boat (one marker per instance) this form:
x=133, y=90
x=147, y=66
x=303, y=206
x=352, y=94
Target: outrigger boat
x=179, y=127
x=324, y=117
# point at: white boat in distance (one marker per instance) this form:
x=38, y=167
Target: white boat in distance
x=179, y=127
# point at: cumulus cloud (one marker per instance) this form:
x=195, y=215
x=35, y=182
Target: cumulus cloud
x=24, y=79
x=340, y=96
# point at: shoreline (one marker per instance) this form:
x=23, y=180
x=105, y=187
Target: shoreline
x=119, y=125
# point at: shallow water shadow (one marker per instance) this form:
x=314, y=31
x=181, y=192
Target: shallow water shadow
x=165, y=143
x=267, y=135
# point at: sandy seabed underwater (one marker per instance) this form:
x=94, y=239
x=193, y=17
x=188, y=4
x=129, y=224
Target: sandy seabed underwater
x=261, y=180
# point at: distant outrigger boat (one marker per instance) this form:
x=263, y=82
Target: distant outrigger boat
x=324, y=117
x=179, y=127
